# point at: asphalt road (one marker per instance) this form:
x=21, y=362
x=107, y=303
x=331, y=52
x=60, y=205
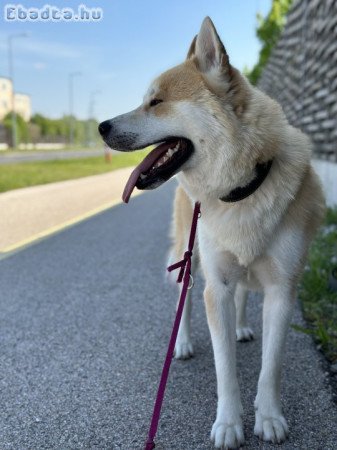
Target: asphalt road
x=85, y=318
x=48, y=155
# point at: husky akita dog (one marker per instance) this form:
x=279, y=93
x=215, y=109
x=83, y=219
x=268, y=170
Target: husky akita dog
x=261, y=202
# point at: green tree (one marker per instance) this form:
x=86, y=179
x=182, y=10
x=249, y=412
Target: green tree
x=268, y=31
x=22, y=132
x=85, y=131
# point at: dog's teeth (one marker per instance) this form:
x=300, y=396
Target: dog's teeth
x=170, y=152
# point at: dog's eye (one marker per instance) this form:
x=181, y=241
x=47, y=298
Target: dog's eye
x=155, y=101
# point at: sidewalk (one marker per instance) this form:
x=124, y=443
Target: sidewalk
x=85, y=321
x=31, y=213
x=13, y=157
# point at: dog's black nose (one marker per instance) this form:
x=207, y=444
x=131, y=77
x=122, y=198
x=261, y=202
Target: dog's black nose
x=104, y=128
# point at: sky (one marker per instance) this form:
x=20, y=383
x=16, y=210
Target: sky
x=120, y=55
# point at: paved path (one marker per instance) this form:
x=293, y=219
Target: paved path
x=84, y=323
x=31, y=212
x=28, y=156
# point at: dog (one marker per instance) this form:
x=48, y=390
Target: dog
x=231, y=148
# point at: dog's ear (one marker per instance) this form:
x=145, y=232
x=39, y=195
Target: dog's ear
x=209, y=50
x=191, y=51
x=212, y=60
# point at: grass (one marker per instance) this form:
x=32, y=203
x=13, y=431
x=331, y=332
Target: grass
x=20, y=175
x=318, y=301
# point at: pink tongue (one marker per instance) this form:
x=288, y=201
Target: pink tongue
x=145, y=165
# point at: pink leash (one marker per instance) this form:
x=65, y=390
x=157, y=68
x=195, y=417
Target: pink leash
x=184, y=275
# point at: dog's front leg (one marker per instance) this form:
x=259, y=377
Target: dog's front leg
x=184, y=347
x=270, y=424
x=227, y=429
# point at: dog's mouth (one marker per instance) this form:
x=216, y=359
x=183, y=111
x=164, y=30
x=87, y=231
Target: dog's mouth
x=159, y=165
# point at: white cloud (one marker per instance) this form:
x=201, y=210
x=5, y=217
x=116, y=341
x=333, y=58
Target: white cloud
x=51, y=49
x=39, y=65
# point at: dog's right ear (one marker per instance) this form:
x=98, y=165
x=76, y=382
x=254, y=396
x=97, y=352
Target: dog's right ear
x=191, y=51
x=209, y=51
x=212, y=60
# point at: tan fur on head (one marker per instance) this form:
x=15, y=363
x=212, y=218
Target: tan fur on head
x=183, y=82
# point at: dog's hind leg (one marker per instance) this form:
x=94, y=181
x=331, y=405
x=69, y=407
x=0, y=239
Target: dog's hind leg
x=243, y=331
x=182, y=219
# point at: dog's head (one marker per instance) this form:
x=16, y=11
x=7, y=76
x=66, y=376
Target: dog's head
x=188, y=108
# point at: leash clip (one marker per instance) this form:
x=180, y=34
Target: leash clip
x=191, y=283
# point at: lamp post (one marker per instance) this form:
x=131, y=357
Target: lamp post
x=72, y=75
x=90, y=135
x=11, y=76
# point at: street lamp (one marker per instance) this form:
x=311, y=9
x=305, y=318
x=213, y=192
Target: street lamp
x=72, y=75
x=11, y=76
x=90, y=132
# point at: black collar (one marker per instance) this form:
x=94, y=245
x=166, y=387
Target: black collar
x=239, y=193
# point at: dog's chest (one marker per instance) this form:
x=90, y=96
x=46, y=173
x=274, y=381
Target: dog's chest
x=235, y=232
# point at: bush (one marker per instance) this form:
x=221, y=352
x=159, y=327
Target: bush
x=22, y=132
x=268, y=31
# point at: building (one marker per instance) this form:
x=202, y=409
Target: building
x=22, y=104
x=5, y=96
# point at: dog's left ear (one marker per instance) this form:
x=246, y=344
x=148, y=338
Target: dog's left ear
x=209, y=51
x=191, y=51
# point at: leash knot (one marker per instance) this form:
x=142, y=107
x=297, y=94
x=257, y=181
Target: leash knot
x=188, y=254
x=182, y=264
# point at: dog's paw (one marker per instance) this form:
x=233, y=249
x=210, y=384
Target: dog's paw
x=183, y=350
x=227, y=436
x=271, y=429
x=244, y=334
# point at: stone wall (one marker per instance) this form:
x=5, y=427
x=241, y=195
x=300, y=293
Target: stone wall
x=301, y=73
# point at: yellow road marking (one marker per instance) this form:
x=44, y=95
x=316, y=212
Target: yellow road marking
x=42, y=234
